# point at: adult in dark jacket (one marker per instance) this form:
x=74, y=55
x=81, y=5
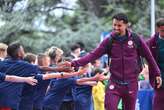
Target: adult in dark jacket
x=124, y=66
x=156, y=45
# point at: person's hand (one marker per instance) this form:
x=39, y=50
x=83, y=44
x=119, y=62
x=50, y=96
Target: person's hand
x=82, y=70
x=103, y=77
x=64, y=69
x=99, y=77
x=30, y=80
x=158, y=81
x=92, y=83
x=65, y=64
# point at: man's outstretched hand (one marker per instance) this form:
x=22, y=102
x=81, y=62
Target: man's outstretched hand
x=61, y=67
x=65, y=64
x=65, y=67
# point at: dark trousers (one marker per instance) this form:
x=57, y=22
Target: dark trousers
x=158, y=99
x=67, y=105
x=36, y=109
x=116, y=91
x=6, y=108
x=47, y=109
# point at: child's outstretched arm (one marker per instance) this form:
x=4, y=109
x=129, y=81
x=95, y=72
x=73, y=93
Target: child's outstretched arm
x=18, y=79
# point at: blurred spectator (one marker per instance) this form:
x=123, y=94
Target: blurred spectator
x=82, y=47
x=75, y=51
x=41, y=87
x=144, y=79
x=30, y=58
x=3, y=51
x=98, y=92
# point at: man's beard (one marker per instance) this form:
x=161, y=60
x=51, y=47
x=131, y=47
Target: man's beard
x=116, y=32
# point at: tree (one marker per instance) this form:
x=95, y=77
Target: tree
x=37, y=25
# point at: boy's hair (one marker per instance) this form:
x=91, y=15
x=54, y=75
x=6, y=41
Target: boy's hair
x=74, y=47
x=3, y=47
x=53, y=51
x=13, y=49
x=160, y=22
x=30, y=57
x=67, y=58
x=94, y=61
x=81, y=44
x=41, y=58
x=121, y=16
x=97, y=70
x=42, y=55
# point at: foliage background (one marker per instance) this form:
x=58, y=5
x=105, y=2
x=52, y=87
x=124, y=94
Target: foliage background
x=39, y=24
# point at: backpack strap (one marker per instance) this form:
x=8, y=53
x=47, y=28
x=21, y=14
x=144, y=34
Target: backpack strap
x=110, y=44
x=137, y=44
x=136, y=40
x=110, y=48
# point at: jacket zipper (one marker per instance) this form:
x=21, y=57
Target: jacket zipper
x=122, y=60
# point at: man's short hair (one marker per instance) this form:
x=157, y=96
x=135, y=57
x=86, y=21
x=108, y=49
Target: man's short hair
x=121, y=16
x=160, y=22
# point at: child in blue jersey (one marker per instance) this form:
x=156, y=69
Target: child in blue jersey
x=10, y=92
x=42, y=60
x=82, y=94
x=32, y=96
x=68, y=103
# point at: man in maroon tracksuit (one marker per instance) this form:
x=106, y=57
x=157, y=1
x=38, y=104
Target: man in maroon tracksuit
x=156, y=45
x=124, y=65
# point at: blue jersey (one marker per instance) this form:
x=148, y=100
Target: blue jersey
x=39, y=94
x=82, y=95
x=68, y=96
x=57, y=91
x=10, y=93
x=28, y=94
